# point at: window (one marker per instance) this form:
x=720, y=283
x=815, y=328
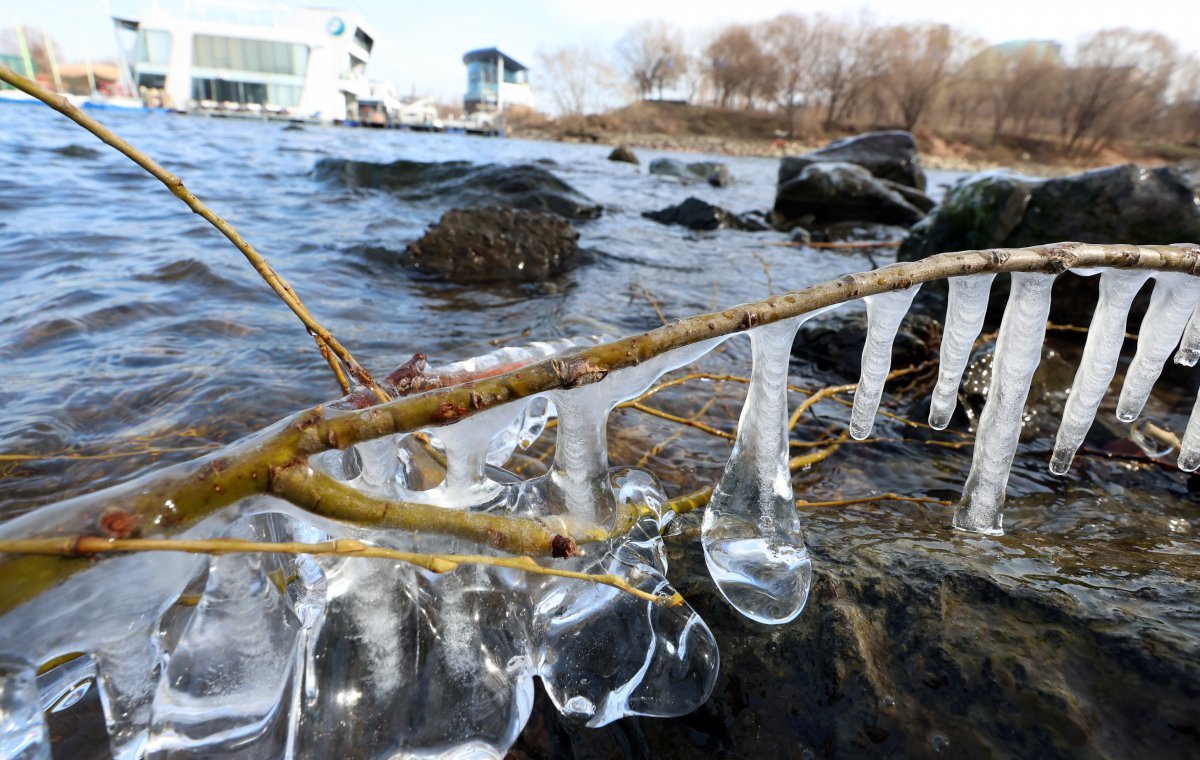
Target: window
x=258, y=56
x=229, y=91
x=364, y=41
x=154, y=47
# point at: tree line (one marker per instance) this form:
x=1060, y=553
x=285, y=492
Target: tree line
x=823, y=73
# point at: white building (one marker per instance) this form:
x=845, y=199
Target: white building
x=299, y=62
x=495, y=82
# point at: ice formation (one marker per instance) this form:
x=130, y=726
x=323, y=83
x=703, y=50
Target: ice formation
x=303, y=656
x=1018, y=352
x=965, y=312
x=885, y=312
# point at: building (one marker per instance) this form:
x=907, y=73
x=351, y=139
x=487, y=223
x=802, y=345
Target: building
x=495, y=81
x=275, y=60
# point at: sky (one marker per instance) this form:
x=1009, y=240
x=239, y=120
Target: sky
x=420, y=42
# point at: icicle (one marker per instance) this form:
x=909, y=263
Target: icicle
x=578, y=481
x=1106, y=336
x=1018, y=352
x=415, y=665
x=751, y=534
x=885, y=312
x=965, y=313
x=1172, y=302
x=64, y=685
x=227, y=685
x=1189, y=348
x=467, y=444
x=128, y=673
x=604, y=654
x=1189, y=448
x=23, y=734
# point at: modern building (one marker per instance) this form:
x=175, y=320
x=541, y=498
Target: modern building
x=495, y=81
x=275, y=60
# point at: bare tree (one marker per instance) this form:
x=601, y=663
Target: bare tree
x=580, y=79
x=919, y=60
x=1016, y=83
x=796, y=49
x=737, y=66
x=850, y=58
x=652, y=54
x=1118, y=83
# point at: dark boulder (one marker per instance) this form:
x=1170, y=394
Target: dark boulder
x=696, y=214
x=462, y=183
x=714, y=173
x=887, y=155
x=824, y=193
x=623, y=154
x=496, y=244
x=1117, y=204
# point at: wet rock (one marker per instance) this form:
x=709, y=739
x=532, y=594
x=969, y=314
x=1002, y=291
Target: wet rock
x=834, y=342
x=847, y=232
x=800, y=235
x=462, y=183
x=887, y=155
x=622, y=153
x=696, y=214
x=76, y=151
x=825, y=193
x=496, y=244
x=1117, y=204
x=714, y=173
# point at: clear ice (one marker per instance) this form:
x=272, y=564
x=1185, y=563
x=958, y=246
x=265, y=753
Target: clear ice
x=1172, y=302
x=751, y=535
x=965, y=312
x=885, y=312
x=307, y=656
x=1018, y=352
x=1106, y=336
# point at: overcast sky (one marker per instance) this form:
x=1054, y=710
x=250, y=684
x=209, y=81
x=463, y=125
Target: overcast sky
x=420, y=43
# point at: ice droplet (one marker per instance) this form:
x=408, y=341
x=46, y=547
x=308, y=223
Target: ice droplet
x=885, y=312
x=751, y=533
x=965, y=313
x=1018, y=351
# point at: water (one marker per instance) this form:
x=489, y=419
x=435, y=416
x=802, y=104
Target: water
x=131, y=326
x=129, y=323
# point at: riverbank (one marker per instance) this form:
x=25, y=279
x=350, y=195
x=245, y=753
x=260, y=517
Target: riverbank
x=692, y=129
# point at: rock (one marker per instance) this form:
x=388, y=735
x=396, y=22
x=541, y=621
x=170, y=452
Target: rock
x=800, y=235
x=713, y=172
x=824, y=193
x=496, y=244
x=696, y=214
x=1117, y=204
x=754, y=221
x=846, y=232
x=622, y=153
x=887, y=155
x=463, y=183
x=834, y=342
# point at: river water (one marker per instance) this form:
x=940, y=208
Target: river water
x=135, y=335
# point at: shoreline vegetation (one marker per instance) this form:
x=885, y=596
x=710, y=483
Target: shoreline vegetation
x=797, y=81
x=701, y=129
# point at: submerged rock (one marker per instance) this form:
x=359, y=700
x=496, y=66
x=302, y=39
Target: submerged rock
x=696, y=214
x=463, y=183
x=714, y=173
x=496, y=244
x=887, y=155
x=824, y=193
x=846, y=232
x=624, y=154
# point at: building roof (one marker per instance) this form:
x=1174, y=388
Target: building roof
x=483, y=54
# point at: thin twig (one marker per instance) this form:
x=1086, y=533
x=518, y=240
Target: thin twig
x=175, y=185
x=869, y=499
x=83, y=546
